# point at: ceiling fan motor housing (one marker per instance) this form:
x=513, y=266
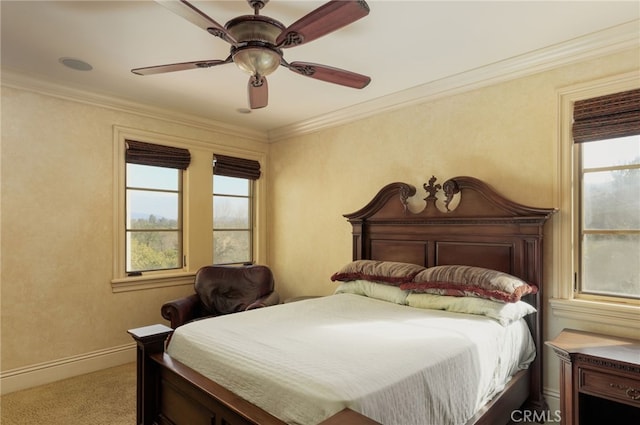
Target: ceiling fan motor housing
x=255, y=52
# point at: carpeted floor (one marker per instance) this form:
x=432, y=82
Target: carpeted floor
x=106, y=397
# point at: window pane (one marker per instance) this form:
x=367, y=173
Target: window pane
x=612, y=200
x=611, y=152
x=152, y=177
x=223, y=185
x=231, y=246
x=153, y=227
x=152, y=210
x=153, y=251
x=230, y=213
x=610, y=265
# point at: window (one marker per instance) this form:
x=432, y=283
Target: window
x=154, y=236
x=153, y=213
x=232, y=219
x=596, y=236
x=233, y=211
x=609, y=235
x=606, y=131
x=163, y=208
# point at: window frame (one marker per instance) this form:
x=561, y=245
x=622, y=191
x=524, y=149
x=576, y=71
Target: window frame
x=197, y=213
x=564, y=302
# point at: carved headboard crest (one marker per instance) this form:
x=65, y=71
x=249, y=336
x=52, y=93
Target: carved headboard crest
x=450, y=189
x=479, y=197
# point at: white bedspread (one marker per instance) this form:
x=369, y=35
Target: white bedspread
x=307, y=360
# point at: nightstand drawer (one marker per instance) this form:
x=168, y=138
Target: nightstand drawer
x=610, y=386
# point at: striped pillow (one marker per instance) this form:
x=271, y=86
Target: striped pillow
x=389, y=272
x=468, y=281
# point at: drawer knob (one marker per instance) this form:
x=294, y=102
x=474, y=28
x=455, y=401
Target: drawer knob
x=632, y=393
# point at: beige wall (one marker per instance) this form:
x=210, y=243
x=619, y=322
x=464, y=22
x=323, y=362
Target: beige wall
x=57, y=198
x=57, y=228
x=505, y=134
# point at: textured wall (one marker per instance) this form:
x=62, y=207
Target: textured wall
x=57, y=198
x=505, y=134
x=57, y=227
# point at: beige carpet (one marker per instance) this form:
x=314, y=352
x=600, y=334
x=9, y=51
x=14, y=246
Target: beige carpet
x=106, y=397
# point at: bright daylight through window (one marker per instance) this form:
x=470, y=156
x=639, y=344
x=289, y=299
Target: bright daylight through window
x=153, y=218
x=232, y=220
x=609, y=235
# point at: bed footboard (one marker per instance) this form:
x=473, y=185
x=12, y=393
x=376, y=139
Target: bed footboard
x=150, y=340
x=170, y=393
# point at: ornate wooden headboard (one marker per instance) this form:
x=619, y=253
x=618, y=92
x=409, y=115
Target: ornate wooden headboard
x=468, y=224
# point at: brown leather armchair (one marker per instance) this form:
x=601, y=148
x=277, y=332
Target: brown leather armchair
x=223, y=290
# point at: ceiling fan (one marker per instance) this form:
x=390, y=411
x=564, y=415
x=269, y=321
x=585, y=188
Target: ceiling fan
x=257, y=42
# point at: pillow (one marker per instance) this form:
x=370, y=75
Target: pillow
x=464, y=281
x=504, y=313
x=378, y=291
x=378, y=271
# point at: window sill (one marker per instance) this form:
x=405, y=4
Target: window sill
x=601, y=312
x=138, y=283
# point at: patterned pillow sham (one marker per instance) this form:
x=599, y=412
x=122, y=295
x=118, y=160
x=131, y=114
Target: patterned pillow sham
x=464, y=281
x=389, y=272
x=379, y=291
x=504, y=313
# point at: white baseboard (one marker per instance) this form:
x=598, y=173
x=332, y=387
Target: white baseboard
x=44, y=373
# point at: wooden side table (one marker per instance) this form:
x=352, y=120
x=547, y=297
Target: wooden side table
x=599, y=378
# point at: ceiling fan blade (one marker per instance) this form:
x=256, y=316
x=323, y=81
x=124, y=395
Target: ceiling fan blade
x=172, y=67
x=330, y=74
x=323, y=20
x=194, y=15
x=258, y=92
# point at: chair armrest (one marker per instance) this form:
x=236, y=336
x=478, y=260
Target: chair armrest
x=270, y=299
x=182, y=310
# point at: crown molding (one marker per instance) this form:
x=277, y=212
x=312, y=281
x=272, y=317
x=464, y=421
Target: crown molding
x=21, y=81
x=606, y=42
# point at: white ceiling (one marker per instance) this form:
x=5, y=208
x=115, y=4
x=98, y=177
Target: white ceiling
x=401, y=45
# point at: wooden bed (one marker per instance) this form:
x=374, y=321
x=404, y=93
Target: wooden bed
x=464, y=222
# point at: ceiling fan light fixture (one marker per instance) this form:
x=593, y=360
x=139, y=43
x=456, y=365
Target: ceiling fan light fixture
x=257, y=58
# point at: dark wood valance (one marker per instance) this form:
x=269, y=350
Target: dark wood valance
x=230, y=166
x=606, y=117
x=143, y=153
